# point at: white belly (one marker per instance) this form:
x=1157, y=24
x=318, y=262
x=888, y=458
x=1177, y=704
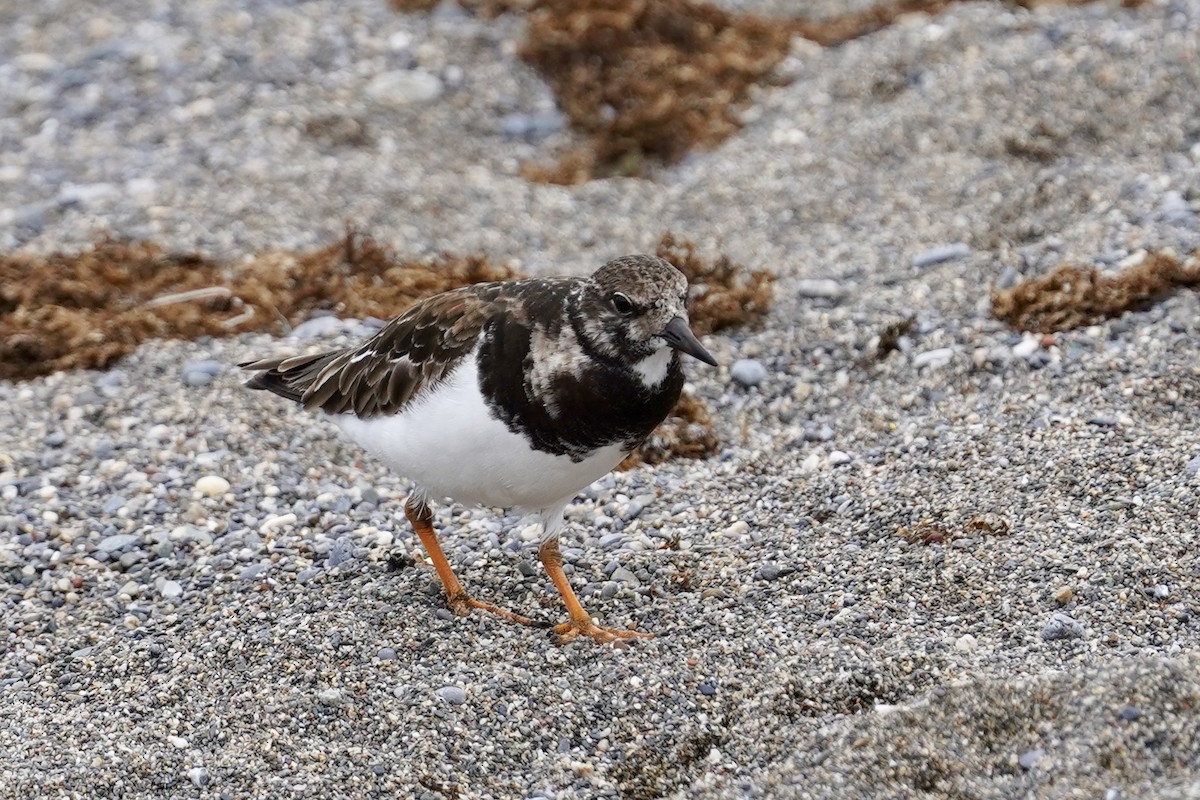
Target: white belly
x=448, y=444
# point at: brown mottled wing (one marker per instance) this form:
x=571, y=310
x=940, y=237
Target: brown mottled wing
x=413, y=352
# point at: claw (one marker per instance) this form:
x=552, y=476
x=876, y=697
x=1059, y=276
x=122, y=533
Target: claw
x=570, y=631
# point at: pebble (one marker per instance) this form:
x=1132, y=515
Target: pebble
x=1064, y=595
x=200, y=373
x=342, y=551
x=318, y=328
x=119, y=541
x=170, y=590
x=531, y=127
x=198, y=776
x=837, y=458
x=966, y=643
x=452, y=694
x=940, y=255
x=212, y=486
x=1029, y=759
x=331, y=697
x=933, y=359
x=748, y=372
x=820, y=288
x=277, y=521
x=1061, y=626
x=1192, y=468
x=1028, y=345
x=251, y=572
x=400, y=88
x=625, y=576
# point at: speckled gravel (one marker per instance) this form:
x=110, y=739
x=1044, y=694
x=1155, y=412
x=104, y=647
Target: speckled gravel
x=969, y=569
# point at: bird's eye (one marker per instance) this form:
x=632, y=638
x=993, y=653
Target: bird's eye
x=622, y=304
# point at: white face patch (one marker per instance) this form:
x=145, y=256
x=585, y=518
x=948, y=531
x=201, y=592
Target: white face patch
x=653, y=368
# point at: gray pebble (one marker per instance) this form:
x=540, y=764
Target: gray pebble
x=452, y=694
x=404, y=87
x=1061, y=626
x=251, y=572
x=1192, y=468
x=940, y=255
x=625, y=576
x=331, y=697
x=934, y=358
x=113, y=504
x=748, y=372
x=386, y=654
x=171, y=590
x=317, y=327
x=342, y=551
x=111, y=544
x=56, y=439
x=198, y=776
x=820, y=288
x=1029, y=759
x=533, y=126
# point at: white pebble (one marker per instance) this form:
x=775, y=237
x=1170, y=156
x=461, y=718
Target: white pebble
x=277, y=521
x=212, y=485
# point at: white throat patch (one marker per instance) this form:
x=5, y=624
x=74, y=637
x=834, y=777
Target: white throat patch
x=653, y=368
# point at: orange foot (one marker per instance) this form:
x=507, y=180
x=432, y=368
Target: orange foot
x=462, y=603
x=570, y=631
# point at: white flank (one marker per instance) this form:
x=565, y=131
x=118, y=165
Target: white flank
x=449, y=444
x=653, y=368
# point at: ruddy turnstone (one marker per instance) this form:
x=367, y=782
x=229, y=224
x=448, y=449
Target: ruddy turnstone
x=509, y=394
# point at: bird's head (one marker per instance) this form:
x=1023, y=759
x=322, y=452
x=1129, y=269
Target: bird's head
x=636, y=306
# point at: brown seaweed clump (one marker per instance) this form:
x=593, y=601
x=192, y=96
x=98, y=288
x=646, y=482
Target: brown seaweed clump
x=724, y=294
x=646, y=80
x=1072, y=296
x=85, y=310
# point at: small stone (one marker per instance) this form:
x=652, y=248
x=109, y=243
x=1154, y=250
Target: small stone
x=200, y=373
x=56, y=439
x=1162, y=591
x=737, y=528
x=330, y=697
x=171, y=590
x=178, y=742
x=131, y=588
x=119, y=541
x=748, y=372
x=1029, y=759
x=251, y=572
x=278, y=521
x=307, y=574
x=966, y=643
x=933, y=358
x=940, y=255
x=386, y=654
x=837, y=458
x=1064, y=595
x=1028, y=345
x=531, y=127
x=198, y=776
x=771, y=572
x=707, y=688
x=452, y=694
x=1130, y=714
x=404, y=87
x=1061, y=626
x=212, y=486
x=342, y=551
x=113, y=504
x=820, y=288
x=317, y=327
x=625, y=576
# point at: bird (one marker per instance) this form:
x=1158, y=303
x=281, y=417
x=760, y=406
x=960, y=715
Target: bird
x=508, y=394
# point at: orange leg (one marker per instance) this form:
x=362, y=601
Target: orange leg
x=457, y=598
x=580, y=623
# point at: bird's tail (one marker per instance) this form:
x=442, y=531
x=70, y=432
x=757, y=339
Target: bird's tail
x=290, y=376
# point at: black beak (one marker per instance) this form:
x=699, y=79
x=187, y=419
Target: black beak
x=677, y=334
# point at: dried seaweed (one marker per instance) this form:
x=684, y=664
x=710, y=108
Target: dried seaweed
x=1072, y=296
x=646, y=80
x=687, y=432
x=87, y=309
x=724, y=294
